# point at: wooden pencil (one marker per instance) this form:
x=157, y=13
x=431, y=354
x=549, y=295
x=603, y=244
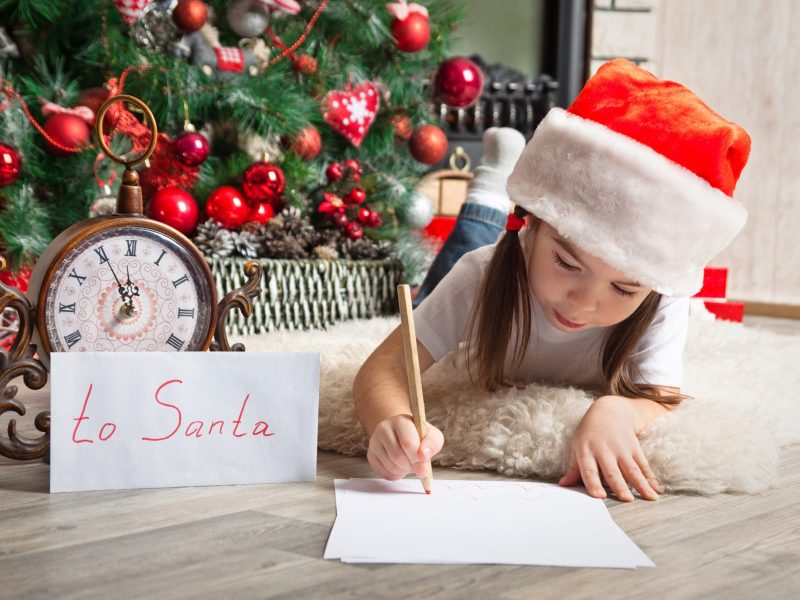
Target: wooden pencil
x=412, y=372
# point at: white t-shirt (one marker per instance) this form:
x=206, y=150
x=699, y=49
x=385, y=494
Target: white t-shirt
x=552, y=355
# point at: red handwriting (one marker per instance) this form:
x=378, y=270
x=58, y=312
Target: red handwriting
x=83, y=417
x=178, y=410
x=195, y=429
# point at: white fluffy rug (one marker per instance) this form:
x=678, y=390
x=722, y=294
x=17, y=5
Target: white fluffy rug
x=744, y=384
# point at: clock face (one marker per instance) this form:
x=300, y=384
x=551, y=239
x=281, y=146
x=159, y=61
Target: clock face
x=130, y=289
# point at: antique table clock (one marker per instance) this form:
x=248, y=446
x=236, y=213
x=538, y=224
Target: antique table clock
x=116, y=283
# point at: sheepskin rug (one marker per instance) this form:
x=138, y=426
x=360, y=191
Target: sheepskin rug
x=744, y=383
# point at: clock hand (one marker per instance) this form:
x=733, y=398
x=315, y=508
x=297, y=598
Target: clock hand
x=128, y=291
x=119, y=289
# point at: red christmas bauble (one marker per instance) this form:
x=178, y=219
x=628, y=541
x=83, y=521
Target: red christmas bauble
x=190, y=15
x=68, y=130
x=353, y=230
x=375, y=219
x=175, y=207
x=92, y=97
x=228, y=206
x=402, y=126
x=412, y=33
x=354, y=168
x=458, y=82
x=428, y=144
x=263, y=182
x=305, y=64
x=10, y=164
x=307, y=144
x=355, y=196
x=363, y=215
x=340, y=219
x=191, y=148
x=334, y=172
x=261, y=212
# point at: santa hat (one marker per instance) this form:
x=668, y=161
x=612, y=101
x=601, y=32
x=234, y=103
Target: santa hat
x=640, y=173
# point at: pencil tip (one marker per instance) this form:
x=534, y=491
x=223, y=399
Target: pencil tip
x=428, y=492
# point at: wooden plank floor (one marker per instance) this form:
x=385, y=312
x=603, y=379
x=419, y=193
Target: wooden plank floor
x=266, y=541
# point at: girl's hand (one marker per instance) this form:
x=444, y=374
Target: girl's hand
x=605, y=443
x=395, y=449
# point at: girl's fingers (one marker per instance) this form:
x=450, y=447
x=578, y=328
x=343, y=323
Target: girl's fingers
x=633, y=475
x=431, y=443
x=591, y=476
x=573, y=473
x=380, y=467
x=648, y=472
x=613, y=477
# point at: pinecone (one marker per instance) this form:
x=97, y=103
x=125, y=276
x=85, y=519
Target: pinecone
x=326, y=252
x=289, y=235
x=214, y=240
x=364, y=249
x=246, y=244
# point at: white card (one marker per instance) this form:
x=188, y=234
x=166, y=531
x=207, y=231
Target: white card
x=168, y=419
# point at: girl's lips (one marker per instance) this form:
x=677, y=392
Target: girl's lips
x=566, y=322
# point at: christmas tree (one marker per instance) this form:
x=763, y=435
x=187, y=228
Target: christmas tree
x=286, y=129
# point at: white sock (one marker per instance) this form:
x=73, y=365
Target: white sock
x=501, y=149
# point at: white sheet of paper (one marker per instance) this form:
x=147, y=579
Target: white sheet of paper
x=171, y=419
x=476, y=522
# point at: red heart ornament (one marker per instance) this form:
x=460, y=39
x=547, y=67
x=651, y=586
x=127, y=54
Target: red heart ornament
x=130, y=9
x=352, y=111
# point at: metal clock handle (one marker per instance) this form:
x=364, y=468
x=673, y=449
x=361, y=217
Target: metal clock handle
x=129, y=199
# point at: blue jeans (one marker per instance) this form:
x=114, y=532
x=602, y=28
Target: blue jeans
x=477, y=225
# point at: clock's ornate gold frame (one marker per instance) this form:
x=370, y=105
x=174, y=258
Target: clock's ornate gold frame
x=21, y=360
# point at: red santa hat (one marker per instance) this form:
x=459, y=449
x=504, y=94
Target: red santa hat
x=640, y=173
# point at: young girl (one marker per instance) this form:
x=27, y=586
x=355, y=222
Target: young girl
x=624, y=198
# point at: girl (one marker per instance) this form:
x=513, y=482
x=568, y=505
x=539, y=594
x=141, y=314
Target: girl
x=626, y=196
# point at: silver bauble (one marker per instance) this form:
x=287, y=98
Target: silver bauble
x=419, y=212
x=248, y=18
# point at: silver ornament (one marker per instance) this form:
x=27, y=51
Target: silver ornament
x=248, y=18
x=419, y=212
x=154, y=29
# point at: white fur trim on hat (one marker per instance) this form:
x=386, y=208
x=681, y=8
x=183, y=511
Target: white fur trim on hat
x=623, y=202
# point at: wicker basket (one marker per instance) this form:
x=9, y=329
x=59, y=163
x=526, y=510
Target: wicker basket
x=311, y=294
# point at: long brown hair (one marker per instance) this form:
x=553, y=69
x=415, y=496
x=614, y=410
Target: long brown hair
x=504, y=301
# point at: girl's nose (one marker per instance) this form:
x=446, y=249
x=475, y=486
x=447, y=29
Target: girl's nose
x=584, y=298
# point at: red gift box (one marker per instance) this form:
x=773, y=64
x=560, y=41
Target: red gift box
x=726, y=311
x=439, y=229
x=715, y=283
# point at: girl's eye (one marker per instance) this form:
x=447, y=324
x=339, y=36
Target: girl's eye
x=624, y=293
x=563, y=264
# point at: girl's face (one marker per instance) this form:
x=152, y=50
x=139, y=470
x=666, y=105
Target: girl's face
x=576, y=290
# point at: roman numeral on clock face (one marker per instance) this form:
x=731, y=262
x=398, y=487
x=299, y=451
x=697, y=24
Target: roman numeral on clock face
x=131, y=251
x=101, y=252
x=80, y=279
x=73, y=338
x=70, y=308
x=177, y=282
x=163, y=252
x=175, y=342
x=186, y=312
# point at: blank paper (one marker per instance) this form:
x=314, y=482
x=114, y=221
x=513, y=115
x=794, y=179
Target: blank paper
x=476, y=522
